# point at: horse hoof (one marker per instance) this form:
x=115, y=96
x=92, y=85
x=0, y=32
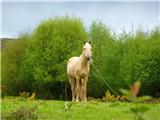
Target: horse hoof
x=77, y=100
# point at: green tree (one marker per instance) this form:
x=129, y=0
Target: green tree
x=12, y=56
x=140, y=60
x=53, y=42
x=105, y=58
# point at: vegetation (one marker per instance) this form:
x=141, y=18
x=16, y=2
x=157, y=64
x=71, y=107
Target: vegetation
x=109, y=97
x=13, y=53
x=21, y=114
x=50, y=110
x=132, y=95
x=53, y=42
x=125, y=59
x=36, y=62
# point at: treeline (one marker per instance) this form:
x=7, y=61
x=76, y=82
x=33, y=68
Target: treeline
x=37, y=62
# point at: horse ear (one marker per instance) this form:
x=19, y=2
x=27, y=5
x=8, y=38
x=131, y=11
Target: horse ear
x=84, y=42
x=89, y=42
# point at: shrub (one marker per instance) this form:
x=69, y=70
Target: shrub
x=132, y=96
x=32, y=97
x=109, y=97
x=26, y=96
x=22, y=113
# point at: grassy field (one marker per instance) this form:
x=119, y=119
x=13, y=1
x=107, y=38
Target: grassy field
x=91, y=110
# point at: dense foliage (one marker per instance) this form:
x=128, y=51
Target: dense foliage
x=53, y=42
x=141, y=60
x=126, y=59
x=13, y=52
x=38, y=63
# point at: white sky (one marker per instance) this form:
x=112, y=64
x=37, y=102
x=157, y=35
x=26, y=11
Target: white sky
x=23, y=16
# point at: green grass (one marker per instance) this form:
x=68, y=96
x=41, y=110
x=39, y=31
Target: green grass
x=92, y=110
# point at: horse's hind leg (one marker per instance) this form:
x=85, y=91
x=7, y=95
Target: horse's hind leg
x=84, y=82
x=83, y=90
x=81, y=86
x=74, y=89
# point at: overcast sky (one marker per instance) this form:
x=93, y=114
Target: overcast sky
x=18, y=17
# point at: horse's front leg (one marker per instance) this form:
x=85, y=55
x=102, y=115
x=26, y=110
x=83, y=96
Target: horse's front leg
x=72, y=83
x=73, y=90
x=77, y=88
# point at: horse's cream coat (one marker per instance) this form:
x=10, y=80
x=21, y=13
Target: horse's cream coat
x=78, y=70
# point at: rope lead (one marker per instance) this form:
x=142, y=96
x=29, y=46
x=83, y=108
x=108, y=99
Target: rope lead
x=103, y=78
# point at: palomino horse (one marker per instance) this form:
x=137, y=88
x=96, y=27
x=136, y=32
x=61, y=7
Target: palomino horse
x=78, y=70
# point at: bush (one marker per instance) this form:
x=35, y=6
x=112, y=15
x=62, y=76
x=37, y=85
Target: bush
x=26, y=96
x=21, y=114
x=109, y=97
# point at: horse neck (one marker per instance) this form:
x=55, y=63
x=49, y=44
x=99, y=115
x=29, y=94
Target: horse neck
x=84, y=61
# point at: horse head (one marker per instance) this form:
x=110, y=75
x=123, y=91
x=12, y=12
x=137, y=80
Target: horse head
x=87, y=50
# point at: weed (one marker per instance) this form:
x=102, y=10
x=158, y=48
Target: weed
x=26, y=96
x=22, y=113
x=67, y=106
x=23, y=95
x=32, y=97
x=109, y=97
x=131, y=94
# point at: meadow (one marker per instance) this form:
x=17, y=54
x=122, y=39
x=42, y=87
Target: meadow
x=91, y=110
